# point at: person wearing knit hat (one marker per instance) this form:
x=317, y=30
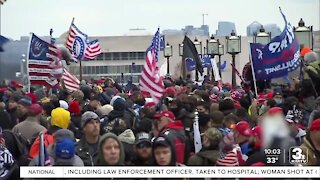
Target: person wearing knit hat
x=75, y=112
x=87, y=147
x=31, y=126
x=60, y=118
x=311, y=144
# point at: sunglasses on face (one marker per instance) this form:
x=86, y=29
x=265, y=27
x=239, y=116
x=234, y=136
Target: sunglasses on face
x=143, y=145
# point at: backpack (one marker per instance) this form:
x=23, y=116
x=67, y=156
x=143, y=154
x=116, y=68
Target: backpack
x=23, y=146
x=34, y=150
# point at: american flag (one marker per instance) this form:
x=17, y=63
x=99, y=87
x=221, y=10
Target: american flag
x=41, y=59
x=79, y=45
x=150, y=80
x=70, y=81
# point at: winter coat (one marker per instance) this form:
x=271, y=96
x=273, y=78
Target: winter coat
x=126, y=115
x=82, y=150
x=5, y=120
x=313, y=154
x=206, y=157
x=101, y=161
x=174, y=131
x=256, y=156
x=54, y=161
x=28, y=128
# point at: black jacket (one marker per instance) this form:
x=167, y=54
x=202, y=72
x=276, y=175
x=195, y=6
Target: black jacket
x=82, y=150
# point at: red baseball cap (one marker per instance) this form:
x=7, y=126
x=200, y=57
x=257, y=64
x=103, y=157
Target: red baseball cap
x=275, y=110
x=149, y=104
x=315, y=125
x=257, y=132
x=168, y=114
x=243, y=127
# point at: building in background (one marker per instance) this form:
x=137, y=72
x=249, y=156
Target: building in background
x=225, y=28
x=189, y=30
x=255, y=26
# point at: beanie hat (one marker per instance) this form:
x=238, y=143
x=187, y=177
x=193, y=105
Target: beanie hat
x=25, y=101
x=60, y=118
x=119, y=104
x=74, y=107
x=311, y=57
x=34, y=110
x=105, y=110
x=63, y=104
x=63, y=134
x=33, y=97
x=87, y=116
x=113, y=99
x=315, y=125
x=65, y=149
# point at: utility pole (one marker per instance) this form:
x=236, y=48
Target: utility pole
x=203, y=18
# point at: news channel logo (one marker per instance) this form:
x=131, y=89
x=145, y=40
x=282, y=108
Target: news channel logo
x=298, y=155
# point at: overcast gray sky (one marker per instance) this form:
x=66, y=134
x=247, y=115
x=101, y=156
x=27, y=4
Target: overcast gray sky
x=116, y=17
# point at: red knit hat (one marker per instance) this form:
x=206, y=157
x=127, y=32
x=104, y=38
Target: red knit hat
x=315, y=125
x=171, y=91
x=74, y=107
x=304, y=51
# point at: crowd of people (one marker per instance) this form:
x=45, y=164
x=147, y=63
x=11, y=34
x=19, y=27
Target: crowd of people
x=108, y=124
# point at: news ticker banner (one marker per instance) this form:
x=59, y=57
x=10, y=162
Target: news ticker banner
x=170, y=172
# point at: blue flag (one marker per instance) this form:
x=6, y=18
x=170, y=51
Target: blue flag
x=206, y=61
x=279, y=57
x=190, y=64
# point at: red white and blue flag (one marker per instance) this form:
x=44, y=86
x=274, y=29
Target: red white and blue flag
x=41, y=62
x=150, y=80
x=79, y=45
x=71, y=82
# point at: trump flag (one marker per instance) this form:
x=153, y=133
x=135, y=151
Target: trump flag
x=277, y=58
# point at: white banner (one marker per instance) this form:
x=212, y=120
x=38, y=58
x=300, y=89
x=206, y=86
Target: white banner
x=215, y=69
x=170, y=172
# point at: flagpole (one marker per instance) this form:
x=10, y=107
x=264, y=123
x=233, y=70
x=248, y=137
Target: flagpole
x=253, y=74
x=28, y=55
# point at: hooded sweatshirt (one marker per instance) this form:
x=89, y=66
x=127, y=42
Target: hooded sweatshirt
x=101, y=161
x=127, y=139
x=174, y=131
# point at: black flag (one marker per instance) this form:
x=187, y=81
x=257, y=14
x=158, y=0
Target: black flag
x=190, y=51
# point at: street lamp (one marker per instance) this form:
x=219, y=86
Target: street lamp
x=262, y=37
x=212, y=50
x=22, y=64
x=167, y=54
x=198, y=46
x=233, y=48
x=221, y=52
x=304, y=34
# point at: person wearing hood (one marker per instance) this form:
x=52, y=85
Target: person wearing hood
x=87, y=147
x=127, y=139
x=209, y=153
x=168, y=126
x=111, y=151
x=163, y=152
x=62, y=151
x=60, y=119
x=31, y=125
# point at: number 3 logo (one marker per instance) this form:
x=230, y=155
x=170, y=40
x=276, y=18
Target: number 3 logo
x=297, y=153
